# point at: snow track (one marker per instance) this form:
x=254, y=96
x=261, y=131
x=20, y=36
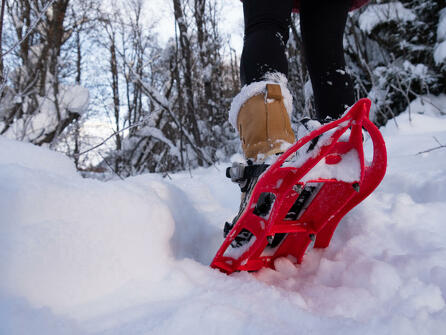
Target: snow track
x=80, y=256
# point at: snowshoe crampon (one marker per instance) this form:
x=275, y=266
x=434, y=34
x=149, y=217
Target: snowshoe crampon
x=302, y=197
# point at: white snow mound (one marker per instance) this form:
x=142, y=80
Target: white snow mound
x=376, y=14
x=127, y=257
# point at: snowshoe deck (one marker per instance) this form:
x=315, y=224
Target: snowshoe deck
x=302, y=197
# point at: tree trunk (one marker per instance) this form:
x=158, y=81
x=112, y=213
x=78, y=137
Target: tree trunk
x=186, y=52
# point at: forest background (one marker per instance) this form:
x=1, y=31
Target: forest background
x=160, y=104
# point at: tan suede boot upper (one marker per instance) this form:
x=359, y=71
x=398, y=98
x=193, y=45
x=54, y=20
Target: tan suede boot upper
x=264, y=125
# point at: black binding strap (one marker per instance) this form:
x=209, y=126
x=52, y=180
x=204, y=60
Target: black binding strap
x=249, y=171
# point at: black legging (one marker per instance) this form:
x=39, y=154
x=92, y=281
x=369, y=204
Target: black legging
x=322, y=24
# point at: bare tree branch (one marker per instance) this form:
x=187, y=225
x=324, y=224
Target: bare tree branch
x=30, y=29
x=432, y=149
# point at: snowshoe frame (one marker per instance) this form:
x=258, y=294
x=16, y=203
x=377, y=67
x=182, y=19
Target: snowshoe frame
x=319, y=214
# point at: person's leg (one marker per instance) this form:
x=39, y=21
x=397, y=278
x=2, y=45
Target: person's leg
x=260, y=111
x=322, y=25
x=266, y=34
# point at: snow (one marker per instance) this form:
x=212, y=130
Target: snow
x=80, y=256
x=14, y=154
x=440, y=48
x=348, y=169
x=158, y=134
x=441, y=30
x=75, y=98
x=376, y=14
x=237, y=252
x=440, y=53
x=303, y=154
x=71, y=99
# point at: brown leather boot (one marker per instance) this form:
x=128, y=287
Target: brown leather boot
x=265, y=129
x=264, y=125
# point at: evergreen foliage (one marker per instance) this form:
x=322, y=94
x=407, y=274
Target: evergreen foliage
x=392, y=59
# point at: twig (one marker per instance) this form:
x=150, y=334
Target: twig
x=166, y=174
x=112, y=135
x=165, y=105
x=436, y=140
x=432, y=104
x=110, y=167
x=432, y=149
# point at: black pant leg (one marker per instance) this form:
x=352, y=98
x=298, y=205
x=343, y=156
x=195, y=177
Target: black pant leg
x=266, y=35
x=322, y=25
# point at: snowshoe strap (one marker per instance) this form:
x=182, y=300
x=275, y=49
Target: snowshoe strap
x=239, y=172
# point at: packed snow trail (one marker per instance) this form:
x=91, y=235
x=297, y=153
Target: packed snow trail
x=80, y=256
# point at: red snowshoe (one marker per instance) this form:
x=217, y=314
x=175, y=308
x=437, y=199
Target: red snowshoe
x=302, y=196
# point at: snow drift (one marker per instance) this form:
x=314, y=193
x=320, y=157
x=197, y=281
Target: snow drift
x=80, y=256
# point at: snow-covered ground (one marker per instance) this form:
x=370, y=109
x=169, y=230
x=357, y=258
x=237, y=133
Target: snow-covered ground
x=80, y=256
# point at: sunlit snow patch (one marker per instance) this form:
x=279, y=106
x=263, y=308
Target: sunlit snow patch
x=348, y=169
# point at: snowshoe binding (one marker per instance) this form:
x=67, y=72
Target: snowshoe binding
x=246, y=176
